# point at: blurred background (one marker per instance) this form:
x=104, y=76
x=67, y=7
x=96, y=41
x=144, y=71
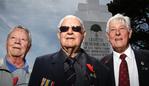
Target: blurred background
x=42, y=17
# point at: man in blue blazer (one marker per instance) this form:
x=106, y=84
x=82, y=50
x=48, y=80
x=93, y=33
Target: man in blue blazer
x=118, y=33
x=71, y=65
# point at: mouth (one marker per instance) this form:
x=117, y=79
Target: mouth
x=70, y=38
x=16, y=48
x=118, y=39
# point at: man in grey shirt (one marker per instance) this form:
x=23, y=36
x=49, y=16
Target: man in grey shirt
x=14, y=69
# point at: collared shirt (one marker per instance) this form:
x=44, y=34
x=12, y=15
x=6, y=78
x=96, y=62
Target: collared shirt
x=13, y=68
x=132, y=66
x=21, y=73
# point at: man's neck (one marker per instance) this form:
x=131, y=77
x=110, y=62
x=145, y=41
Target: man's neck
x=16, y=61
x=71, y=52
x=121, y=49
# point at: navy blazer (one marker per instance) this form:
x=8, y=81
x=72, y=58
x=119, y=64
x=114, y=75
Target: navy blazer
x=142, y=60
x=51, y=67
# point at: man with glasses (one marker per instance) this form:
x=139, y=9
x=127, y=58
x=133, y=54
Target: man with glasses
x=14, y=70
x=71, y=65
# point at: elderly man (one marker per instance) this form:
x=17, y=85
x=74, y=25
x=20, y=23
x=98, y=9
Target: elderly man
x=129, y=67
x=14, y=70
x=70, y=66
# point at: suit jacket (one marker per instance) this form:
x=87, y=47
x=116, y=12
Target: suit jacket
x=51, y=67
x=142, y=60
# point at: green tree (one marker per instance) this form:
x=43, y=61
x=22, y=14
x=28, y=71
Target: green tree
x=138, y=11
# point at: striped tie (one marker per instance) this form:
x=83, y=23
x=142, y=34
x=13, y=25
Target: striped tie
x=70, y=74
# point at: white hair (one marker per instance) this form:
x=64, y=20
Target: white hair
x=23, y=28
x=71, y=16
x=119, y=17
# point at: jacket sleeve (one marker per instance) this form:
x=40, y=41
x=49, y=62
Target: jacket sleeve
x=36, y=78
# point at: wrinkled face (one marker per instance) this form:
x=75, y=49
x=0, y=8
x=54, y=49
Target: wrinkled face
x=17, y=43
x=119, y=35
x=71, y=37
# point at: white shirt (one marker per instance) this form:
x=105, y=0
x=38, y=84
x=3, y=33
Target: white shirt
x=132, y=66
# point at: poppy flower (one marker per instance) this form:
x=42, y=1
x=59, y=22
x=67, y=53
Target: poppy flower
x=91, y=69
x=15, y=80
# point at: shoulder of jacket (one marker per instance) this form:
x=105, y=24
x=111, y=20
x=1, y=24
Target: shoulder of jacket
x=46, y=57
x=106, y=59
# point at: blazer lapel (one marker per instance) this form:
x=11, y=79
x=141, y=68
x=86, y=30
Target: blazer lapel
x=58, y=68
x=142, y=66
x=108, y=61
x=111, y=66
x=138, y=60
x=141, y=62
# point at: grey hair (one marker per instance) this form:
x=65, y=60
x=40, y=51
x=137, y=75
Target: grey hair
x=71, y=16
x=119, y=17
x=25, y=29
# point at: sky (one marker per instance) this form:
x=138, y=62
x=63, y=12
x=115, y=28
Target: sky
x=41, y=17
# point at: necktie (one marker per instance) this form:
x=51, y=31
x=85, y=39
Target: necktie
x=123, y=72
x=70, y=74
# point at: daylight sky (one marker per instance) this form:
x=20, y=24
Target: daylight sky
x=40, y=17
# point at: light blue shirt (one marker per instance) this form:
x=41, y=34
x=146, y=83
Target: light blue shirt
x=12, y=68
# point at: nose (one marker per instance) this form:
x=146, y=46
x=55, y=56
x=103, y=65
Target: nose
x=70, y=31
x=117, y=32
x=17, y=41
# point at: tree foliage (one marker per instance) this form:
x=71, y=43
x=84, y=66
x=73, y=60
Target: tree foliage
x=138, y=11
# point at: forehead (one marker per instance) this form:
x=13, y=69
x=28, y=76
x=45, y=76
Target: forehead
x=19, y=31
x=117, y=23
x=72, y=21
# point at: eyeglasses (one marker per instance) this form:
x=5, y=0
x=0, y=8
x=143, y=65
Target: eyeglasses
x=74, y=28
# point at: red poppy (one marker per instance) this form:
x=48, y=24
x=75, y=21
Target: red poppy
x=90, y=67
x=52, y=83
x=15, y=80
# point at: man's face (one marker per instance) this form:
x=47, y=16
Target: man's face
x=72, y=36
x=119, y=35
x=17, y=43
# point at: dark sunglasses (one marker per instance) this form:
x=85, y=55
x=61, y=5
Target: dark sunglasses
x=74, y=28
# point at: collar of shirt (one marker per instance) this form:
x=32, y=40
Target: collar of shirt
x=129, y=52
x=76, y=57
x=12, y=68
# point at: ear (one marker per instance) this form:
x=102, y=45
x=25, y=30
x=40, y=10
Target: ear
x=130, y=33
x=107, y=35
x=84, y=35
x=58, y=35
